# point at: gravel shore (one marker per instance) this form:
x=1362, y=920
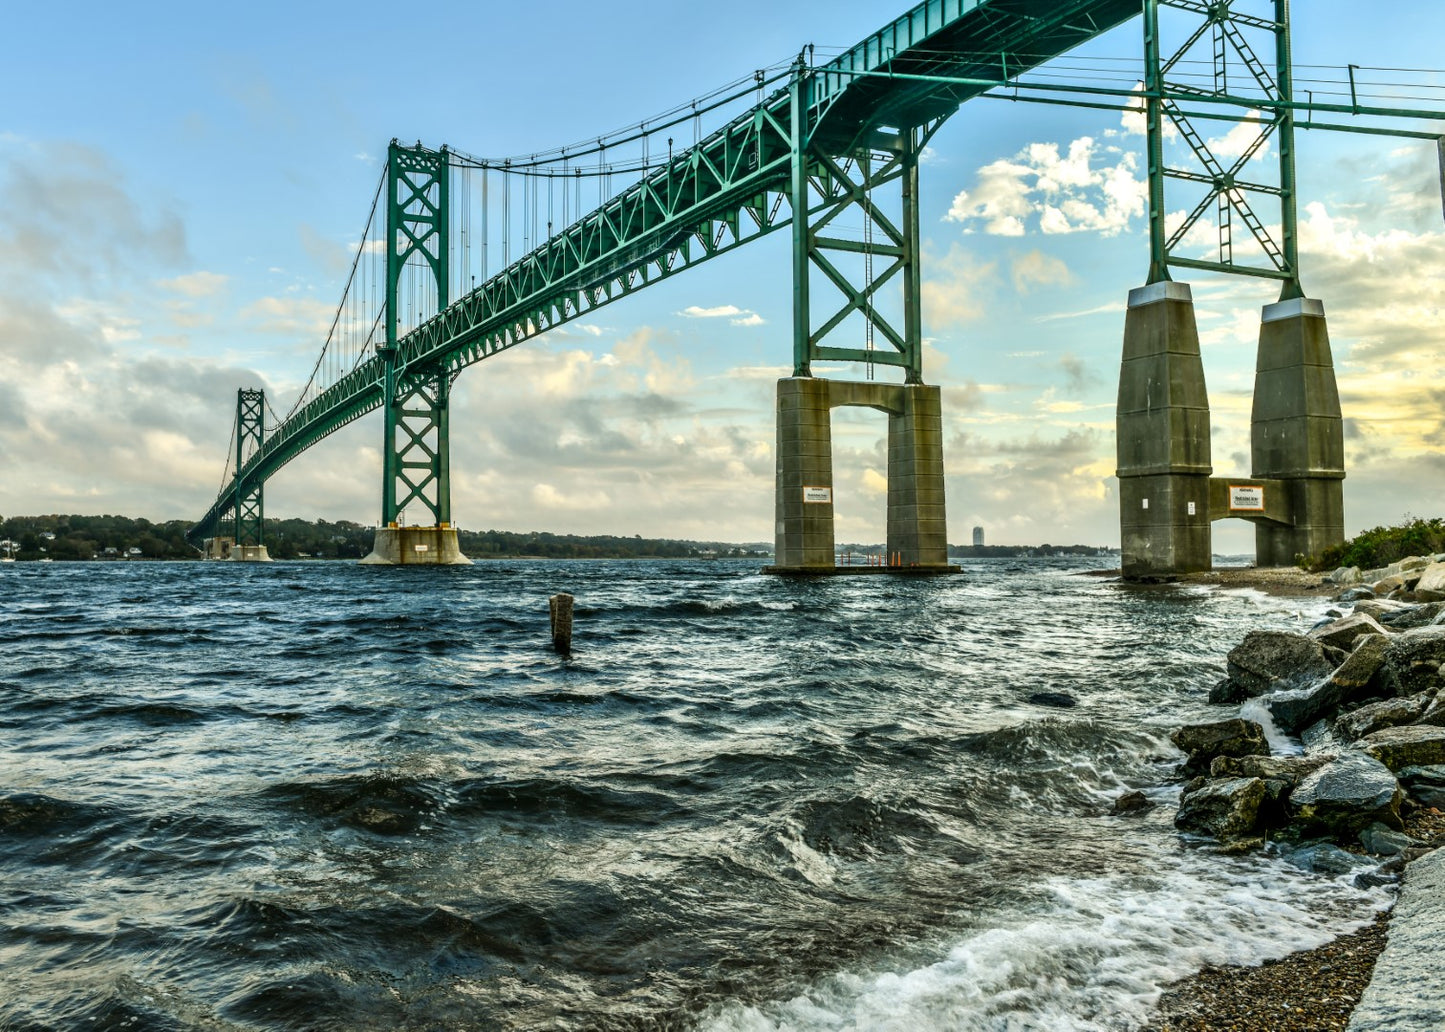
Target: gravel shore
x=1311, y=991
x=1286, y=581
x=1275, y=580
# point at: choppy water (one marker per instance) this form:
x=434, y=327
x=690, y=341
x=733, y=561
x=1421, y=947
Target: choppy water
x=322, y=796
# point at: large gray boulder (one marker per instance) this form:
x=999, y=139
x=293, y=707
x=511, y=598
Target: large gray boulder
x=1418, y=745
x=1290, y=769
x=1431, y=586
x=1383, y=841
x=1360, y=673
x=1269, y=661
x=1413, y=659
x=1434, y=712
x=1379, y=608
x=1293, y=711
x=1376, y=716
x=1425, y=785
x=1280, y=775
x=1385, y=585
x=1201, y=743
x=1343, y=633
x=1410, y=616
x=1406, y=991
x=1347, y=795
x=1225, y=810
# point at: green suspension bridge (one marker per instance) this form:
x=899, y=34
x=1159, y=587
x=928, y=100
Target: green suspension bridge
x=465, y=257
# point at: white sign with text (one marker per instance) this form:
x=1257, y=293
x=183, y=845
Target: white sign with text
x=1246, y=499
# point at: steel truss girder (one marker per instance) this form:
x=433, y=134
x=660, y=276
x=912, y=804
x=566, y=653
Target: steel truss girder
x=1227, y=192
x=730, y=189
x=247, y=492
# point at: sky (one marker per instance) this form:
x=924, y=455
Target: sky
x=182, y=187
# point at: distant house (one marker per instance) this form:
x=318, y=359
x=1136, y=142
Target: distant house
x=133, y=553
x=110, y=553
x=46, y=535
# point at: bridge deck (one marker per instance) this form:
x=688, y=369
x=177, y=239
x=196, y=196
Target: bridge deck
x=716, y=196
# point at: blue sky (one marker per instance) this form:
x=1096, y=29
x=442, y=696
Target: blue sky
x=180, y=185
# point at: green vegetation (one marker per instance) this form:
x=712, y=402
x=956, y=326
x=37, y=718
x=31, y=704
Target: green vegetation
x=119, y=537
x=1385, y=545
x=88, y=537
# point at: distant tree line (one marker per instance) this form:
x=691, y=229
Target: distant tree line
x=117, y=537
x=1014, y=551
x=120, y=537
x=88, y=537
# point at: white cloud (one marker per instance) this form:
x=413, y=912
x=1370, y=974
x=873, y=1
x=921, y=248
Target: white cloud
x=545, y=496
x=196, y=284
x=1035, y=270
x=718, y=312
x=291, y=316
x=1080, y=190
x=1239, y=139
x=955, y=287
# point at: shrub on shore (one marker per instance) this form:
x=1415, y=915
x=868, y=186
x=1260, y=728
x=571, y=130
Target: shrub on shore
x=1384, y=545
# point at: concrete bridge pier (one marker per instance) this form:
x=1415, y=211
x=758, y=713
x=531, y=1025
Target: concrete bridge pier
x=1162, y=430
x=917, y=528
x=226, y=548
x=1296, y=431
x=415, y=546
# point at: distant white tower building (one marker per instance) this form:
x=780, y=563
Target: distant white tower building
x=977, y=537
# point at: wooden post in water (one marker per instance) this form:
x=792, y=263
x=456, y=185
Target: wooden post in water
x=561, y=607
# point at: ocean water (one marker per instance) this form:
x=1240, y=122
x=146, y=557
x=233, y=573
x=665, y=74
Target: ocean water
x=323, y=796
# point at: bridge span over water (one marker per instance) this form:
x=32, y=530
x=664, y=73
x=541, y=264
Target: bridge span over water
x=812, y=147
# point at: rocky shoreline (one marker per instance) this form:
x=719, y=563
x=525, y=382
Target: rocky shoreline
x=1335, y=755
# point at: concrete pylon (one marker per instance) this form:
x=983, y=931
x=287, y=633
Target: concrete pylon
x=1296, y=431
x=804, y=493
x=1162, y=429
x=917, y=523
x=226, y=548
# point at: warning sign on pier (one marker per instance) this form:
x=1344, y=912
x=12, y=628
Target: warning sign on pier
x=1246, y=499
x=818, y=495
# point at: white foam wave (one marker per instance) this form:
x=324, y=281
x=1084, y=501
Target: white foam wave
x=1280, y=744
x=1094, y=956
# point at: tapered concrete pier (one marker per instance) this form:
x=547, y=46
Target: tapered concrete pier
x=226, y=548
x=917, y=527
x=1296, y=431
x=1162, y=427
x=416, y=546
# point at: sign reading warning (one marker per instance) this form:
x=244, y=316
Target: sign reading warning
x=817, y=495
x=1246, y=499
